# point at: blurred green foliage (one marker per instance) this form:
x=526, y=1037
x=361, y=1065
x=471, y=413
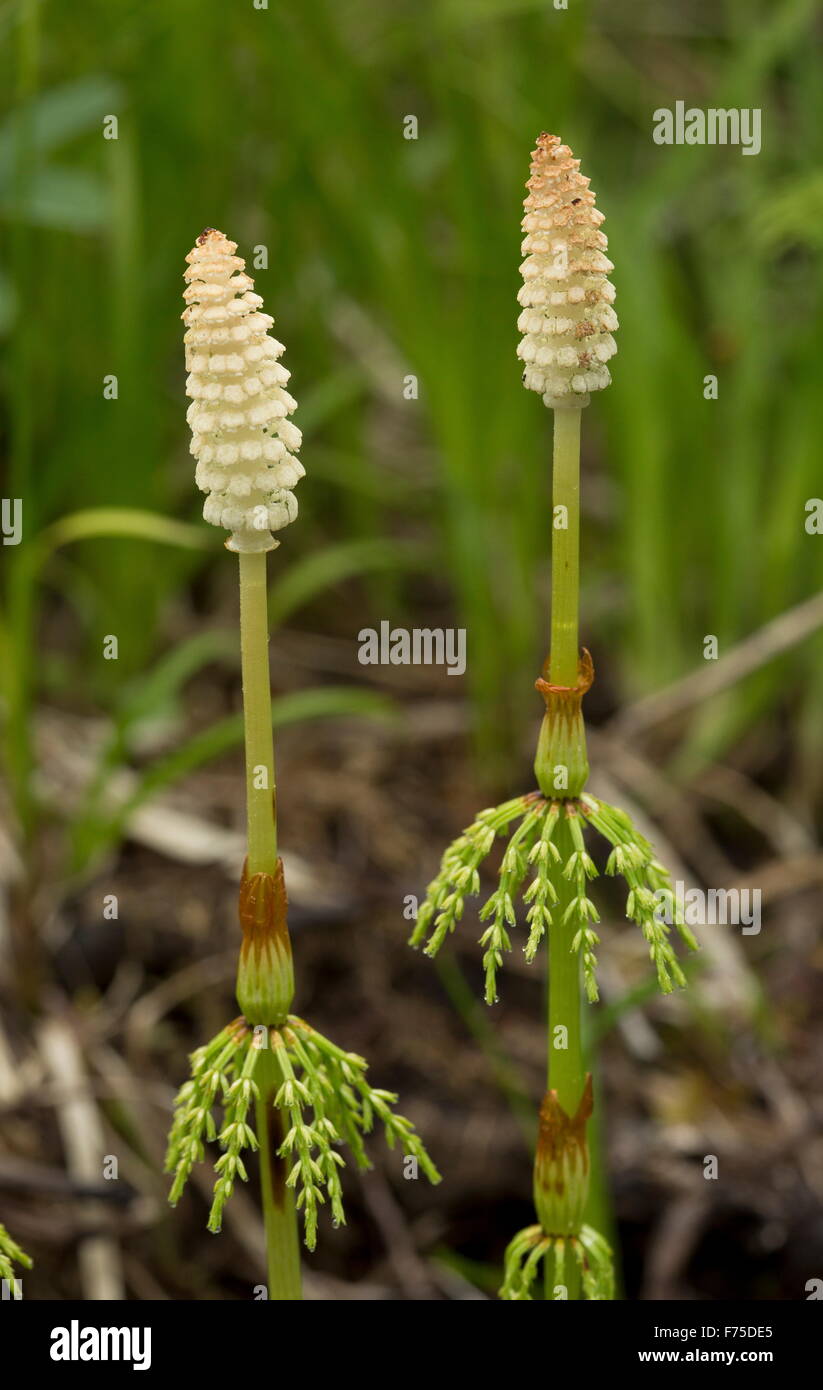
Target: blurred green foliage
x=390, y=256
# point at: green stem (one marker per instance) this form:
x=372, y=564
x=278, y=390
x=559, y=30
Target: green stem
x=279, y=1215
x=254, y=652
x=565, y=547
x=566, y=1067
x=566, y=1073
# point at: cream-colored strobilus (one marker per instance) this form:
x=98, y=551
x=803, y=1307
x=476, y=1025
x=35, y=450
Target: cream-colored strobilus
x=567, y=321
x=242, y=437
x=283, y=1088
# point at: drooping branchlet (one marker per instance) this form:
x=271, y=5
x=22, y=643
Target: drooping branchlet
x=325, y=1101
x=532, y=1248
x=10, y=1255
x=532, y=852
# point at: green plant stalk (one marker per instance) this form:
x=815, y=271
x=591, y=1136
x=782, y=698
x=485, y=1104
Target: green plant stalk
x=565, y=1069
x=254, y=657
x=279, y=1215
x=565, y=1065
x=565, y=547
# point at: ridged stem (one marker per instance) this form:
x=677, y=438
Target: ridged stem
x=254, y=652
x=566, y=1069
x=565, y=547
x=279, y=1215
x=566, y=1073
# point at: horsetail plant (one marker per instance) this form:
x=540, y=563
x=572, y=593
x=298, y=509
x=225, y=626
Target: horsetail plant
x=283, y=1087
x=567, y=321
